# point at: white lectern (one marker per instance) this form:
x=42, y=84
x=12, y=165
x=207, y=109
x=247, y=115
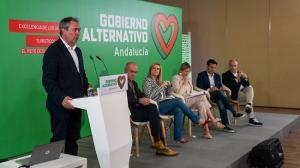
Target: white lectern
x=110, y=124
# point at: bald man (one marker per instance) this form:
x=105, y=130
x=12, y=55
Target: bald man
x=237, y=81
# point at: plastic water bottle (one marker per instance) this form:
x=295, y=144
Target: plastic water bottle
x=90, y=92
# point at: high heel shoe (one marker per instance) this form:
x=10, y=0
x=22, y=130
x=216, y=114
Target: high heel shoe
x=207, y=134
x=183, y=141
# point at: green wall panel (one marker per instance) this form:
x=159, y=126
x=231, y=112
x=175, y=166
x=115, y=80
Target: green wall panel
x=24, y=120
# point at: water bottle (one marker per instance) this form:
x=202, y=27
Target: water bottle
x=90, y=92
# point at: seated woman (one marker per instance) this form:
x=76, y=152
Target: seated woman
x=182, y=85
x=156, y=89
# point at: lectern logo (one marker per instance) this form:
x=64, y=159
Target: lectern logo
x=121, y=81
x=164, y=33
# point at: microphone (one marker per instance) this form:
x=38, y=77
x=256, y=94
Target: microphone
x=95, y=68
x=102, y=63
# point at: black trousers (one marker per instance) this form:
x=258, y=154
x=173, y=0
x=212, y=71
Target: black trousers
x=223, y=104
x=149, y=113
x=65, y=125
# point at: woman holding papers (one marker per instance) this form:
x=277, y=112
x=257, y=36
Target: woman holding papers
x=158, y=90
x=182, y=86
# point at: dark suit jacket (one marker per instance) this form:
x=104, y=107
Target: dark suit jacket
x=132, y=100
x=203, y=80
x=229, y=80
x=60, y=76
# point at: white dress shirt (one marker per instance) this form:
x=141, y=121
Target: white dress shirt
x=211, y=79
x=236, y=79
x=236, y=75
x=72, y=52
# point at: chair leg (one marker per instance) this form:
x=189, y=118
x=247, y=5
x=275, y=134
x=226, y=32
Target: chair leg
x=234, y=121
x=137, y=143
x=141, y=134
x=150, y=135
x=163, y=131
x=190, y=127
x=237, y=109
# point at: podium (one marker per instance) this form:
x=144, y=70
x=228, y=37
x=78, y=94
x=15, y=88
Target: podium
x=110, y=125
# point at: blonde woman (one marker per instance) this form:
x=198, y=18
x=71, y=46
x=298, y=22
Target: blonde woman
x=156, y=89
x=183, y=86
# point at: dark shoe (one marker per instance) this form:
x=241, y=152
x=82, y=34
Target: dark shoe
x=228, y=129
x=166, y=152
x=254, y=122
x=238, y=115
x=248, y=108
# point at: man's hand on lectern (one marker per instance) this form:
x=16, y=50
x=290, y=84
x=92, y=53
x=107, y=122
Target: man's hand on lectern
x=66, y=103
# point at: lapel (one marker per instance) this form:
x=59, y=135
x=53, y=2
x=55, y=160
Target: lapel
x=207, y=79
x=130, y=90
x=69, y=57
x=232, y=76
x=216, y=79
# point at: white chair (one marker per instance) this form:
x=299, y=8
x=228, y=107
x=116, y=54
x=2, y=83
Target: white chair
x=163, y=120
x=139, y=134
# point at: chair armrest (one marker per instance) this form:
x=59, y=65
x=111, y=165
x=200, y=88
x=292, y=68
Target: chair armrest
x=162, y=117
x=166, y=117
x=198, y=89
x=228, y=93
x=227, y=90
x=212, y=103
x=153, y=102
x=179, y=96
x=234, y=101
x=202, y=90
x=135, y=123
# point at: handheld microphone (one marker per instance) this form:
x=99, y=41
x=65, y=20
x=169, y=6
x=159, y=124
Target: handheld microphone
x=102, y=63
x=95, y=68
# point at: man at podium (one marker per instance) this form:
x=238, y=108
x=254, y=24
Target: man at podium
x=142, y=110
x=63, y=79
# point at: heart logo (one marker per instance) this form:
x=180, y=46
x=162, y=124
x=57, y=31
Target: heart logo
x=164, y=33
x=121, y=81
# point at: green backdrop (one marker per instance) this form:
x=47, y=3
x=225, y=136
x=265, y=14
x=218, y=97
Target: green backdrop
x=24, y=120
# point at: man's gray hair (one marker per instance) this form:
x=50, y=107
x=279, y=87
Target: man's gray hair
x=232, y=60
x=127, y=65
x=65, y=23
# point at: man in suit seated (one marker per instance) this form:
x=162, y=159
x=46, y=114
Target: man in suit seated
x=237, y=81
x=142, y=110
x=211, y=81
